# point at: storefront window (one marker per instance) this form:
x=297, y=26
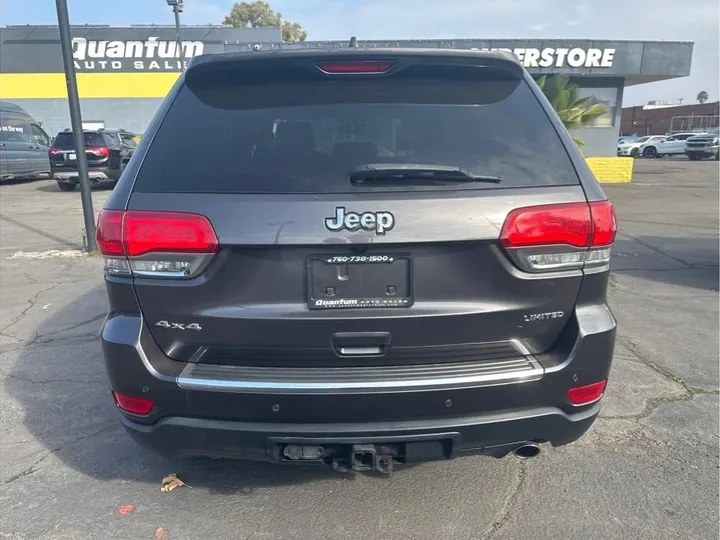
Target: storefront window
x=604, y=96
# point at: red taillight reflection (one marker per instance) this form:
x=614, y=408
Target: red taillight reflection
x=355, y=67
x=136, y=232
x=582, y=395
x=133, y=405
x=574, y=224
x=109, y=233
x=546, y=225
x=604, y=224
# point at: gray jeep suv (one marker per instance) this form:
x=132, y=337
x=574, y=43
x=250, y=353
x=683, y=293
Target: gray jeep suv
x=357, y=257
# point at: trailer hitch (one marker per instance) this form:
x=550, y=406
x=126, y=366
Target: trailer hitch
x=363, y=458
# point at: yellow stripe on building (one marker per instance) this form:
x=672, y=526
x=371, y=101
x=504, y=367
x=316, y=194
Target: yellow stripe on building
x=90, y=85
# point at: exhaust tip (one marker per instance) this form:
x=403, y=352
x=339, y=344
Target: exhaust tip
x=526, y=451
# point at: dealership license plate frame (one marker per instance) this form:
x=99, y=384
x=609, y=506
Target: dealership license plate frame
x=354, y=268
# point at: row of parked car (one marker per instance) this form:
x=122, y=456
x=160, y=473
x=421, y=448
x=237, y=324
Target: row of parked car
x=27, y=151
x=694, y=145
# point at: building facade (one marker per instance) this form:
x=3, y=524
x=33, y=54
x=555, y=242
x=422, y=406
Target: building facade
x=652, y=120
x=124, y=73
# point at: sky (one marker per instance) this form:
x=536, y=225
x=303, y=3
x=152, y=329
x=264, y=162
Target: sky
x=670, y=20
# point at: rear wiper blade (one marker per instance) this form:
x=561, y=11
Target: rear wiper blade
x=414, y=173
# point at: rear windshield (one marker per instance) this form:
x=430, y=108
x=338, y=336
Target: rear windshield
x=228, y=136
x=65, y=140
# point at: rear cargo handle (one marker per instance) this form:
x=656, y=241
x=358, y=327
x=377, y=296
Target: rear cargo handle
x=361, y=343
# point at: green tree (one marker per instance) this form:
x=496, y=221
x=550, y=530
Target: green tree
x=702, y=96
x=259, y=14
x=574, y=111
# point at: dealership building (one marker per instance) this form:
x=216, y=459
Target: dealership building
x=124, y=73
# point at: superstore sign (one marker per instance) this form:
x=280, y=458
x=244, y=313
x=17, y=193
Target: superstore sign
x=154, y=54
x=563, y=57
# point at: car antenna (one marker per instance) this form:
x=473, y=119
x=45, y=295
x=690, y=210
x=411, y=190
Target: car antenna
x=353, y=42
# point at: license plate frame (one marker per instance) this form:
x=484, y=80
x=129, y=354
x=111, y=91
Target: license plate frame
x=360, y=281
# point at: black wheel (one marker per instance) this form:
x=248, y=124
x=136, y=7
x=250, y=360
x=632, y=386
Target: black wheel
x=694, y=157
x=634, y=152
x=650, y=152
x=65, y=186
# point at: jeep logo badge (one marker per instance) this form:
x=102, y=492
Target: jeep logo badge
x=380, y=222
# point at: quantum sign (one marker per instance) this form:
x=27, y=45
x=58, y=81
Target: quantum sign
x=153, y=54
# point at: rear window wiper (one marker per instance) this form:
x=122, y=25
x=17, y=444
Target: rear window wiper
x=387, y=173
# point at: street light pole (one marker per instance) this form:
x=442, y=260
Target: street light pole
x=177, y=6
x=76, y=122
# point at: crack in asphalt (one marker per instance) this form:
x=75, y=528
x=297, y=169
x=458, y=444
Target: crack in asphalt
x=660, y=251
x=31, y=304
x=34, y=467
x=50, y=381
x=505, y=512
x=38, y=342
x=31, y=469
x=653, y=403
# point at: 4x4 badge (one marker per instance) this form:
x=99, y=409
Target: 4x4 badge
x=380, y=222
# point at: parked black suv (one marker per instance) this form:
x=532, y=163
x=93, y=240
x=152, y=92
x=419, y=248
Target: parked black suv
x=362, y=257
x=107, y=150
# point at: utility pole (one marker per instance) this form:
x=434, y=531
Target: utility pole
x=76, y=122
x=177, y=6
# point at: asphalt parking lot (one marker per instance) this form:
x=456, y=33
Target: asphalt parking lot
x=648, y=469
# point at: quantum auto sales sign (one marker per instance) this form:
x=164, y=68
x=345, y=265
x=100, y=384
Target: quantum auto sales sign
x=153, y=54
x=563, y=57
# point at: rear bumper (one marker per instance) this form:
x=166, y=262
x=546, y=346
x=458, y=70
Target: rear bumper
x=707, y=151
x=424, y=440
x=101, y=175
x=457, y=416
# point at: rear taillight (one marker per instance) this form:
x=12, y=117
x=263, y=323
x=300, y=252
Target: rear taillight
x=355, y=67
x=583, y=395
x=154, y=244
x=560, y=236
x=102, y=151
x=133, y=405
x=54, y=151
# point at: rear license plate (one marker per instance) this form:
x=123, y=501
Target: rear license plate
x=71, y=156
x=359, y=281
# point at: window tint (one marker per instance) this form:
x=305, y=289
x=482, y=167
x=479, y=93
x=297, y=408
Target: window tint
x=65, y=140
x=39, y=136
x=213, y=139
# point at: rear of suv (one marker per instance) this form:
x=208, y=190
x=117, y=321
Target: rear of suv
x=364, y=258
x=108, y=152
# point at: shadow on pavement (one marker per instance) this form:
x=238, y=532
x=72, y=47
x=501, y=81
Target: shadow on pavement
x=688, y=262
x=69, y=410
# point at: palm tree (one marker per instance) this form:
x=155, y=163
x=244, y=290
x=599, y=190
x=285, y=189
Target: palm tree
x=574, y=111
x=702, y=96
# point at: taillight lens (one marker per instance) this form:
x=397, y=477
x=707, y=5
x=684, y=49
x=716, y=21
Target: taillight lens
x=161, y=244
x=546, y=225
x=133, y=405
x=102, y=151
x=355, y=67
x=583, y=395
x=54, y=151
x=560, y=236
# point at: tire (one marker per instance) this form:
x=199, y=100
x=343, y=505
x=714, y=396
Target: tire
x=634, y=152
x=65, y=186
x=650, y=152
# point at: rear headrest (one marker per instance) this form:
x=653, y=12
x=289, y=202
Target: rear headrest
x=356, y=152
x=295, y=137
